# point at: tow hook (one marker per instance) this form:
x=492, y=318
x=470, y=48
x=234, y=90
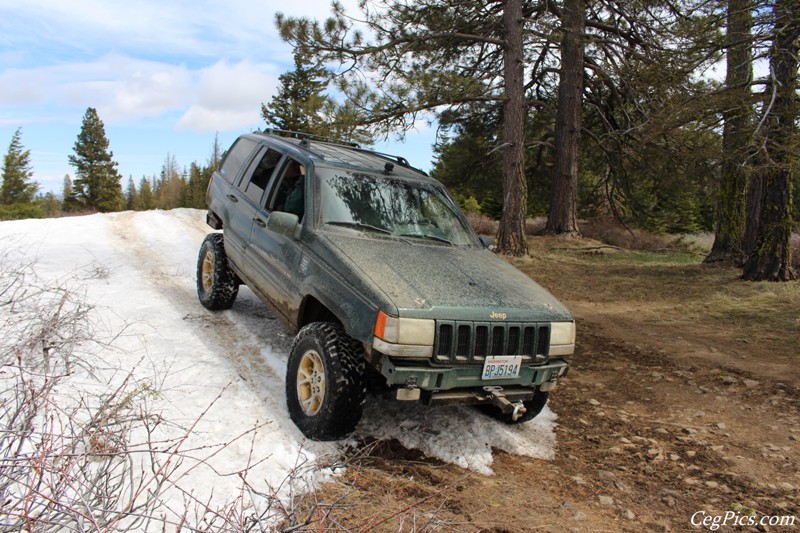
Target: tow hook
x=496, y=396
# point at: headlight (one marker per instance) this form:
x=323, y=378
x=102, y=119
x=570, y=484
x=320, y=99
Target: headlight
x=562, y=338
x=404, y=337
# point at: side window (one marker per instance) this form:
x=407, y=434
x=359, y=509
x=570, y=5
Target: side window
x=288, y=194
x=236, y=158
x=260, y=172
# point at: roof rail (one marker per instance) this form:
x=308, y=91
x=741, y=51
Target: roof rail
x=308, y=137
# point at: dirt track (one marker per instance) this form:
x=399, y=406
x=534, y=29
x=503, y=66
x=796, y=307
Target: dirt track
x=658, y=421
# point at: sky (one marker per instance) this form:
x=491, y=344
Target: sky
x=164, y=76
x=216, y=378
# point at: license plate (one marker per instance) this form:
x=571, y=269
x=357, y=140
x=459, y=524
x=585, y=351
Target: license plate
x=501, y=367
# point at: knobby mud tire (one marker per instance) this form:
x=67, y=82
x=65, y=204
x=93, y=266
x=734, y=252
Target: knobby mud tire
x=217, y=284
x=334, y=358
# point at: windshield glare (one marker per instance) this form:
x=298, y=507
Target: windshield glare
x=383, y=205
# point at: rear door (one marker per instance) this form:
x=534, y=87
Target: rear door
x=225, y=198
x=246, y=196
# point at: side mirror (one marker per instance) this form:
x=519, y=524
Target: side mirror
x=487, y=242
x=284, y=223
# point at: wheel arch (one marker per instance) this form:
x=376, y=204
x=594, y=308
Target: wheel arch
x=313, y=310
x=352, y=315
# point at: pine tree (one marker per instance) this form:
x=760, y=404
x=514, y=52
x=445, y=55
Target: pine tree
x=70, y=203
x=736, y=134
x=770, y=260
x=147, y=198
x=300, y=100
x=169, y=189
x=301, y=105
x=17, y=187
x=215, y=158
x=131, y=196
x=50, y=204
x=97, y=182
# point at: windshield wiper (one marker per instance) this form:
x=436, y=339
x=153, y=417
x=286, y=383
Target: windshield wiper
x=423, y=236
x=359, y=225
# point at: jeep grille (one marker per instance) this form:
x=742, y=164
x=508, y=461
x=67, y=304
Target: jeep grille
x=471, y=342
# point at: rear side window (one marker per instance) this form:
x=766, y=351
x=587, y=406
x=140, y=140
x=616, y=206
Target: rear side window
x=260, y=173
x=236, y=159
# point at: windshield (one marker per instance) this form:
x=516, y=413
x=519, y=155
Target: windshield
x=385, y=205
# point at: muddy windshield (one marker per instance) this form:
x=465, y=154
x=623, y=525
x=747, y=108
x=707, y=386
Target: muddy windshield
x=381, y=205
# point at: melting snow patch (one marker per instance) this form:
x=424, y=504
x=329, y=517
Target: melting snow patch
x=458, y=435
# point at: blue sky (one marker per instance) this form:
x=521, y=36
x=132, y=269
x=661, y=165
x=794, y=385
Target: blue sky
x=165, y=77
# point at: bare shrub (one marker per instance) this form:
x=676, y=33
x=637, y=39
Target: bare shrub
x=486, y=225
x=534, y=226
x=796, y=252
x=482, y=224
x=610, y=231
x=86, y=455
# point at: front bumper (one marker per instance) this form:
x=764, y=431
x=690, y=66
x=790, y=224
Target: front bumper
x=543, y=376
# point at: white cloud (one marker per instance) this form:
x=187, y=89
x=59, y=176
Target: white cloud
x=229, y=96
x=120, y=86
x=234, y=30
x=222, y=96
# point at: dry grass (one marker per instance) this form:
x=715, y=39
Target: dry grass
x=645, y=288
x=385, y=488
x=482, y=224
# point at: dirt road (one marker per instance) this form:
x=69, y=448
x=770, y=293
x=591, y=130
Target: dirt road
x=665, y=420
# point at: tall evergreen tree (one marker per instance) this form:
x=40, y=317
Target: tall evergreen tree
x=770, y=260
x=511, y=232
x=171, y=184
x=302, y=105
x=97, y=181
x=69, y=203
x=736, y=134
x=215, y=158
x=300, y=101
x=147, y=199
x=131, y=196
x=17, y=186
x=563, y=216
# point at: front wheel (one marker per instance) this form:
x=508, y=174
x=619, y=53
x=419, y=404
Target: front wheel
x=325, y=381
x=217, y=284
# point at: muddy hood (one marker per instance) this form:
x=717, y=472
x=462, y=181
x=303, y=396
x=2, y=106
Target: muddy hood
x=447, y=282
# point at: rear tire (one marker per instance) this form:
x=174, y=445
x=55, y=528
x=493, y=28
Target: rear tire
x=533, y=408
x=325, y=381
x=217, y=285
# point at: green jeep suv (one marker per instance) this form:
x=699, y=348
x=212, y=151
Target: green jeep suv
x=388, y=289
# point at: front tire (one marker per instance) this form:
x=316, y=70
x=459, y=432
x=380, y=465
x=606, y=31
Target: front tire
x=217, y=285
x=325, y=381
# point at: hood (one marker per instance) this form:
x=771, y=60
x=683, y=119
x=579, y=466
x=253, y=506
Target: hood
x=449, y=282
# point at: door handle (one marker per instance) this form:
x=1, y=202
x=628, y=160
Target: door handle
x=260, y=222
x=232, y=198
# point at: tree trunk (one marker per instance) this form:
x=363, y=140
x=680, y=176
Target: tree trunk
x=771, y=258
x=736, y=133
x=563, y=216
x=755, y=192
x=511, y=234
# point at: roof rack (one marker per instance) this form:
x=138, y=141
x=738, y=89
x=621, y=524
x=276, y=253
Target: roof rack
x=305, y=137
x=402, y=161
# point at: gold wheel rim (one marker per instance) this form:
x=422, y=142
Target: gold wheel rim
x=208, y=271
x=311, y=383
